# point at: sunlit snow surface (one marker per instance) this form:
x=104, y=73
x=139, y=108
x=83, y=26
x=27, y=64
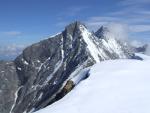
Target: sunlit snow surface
x=114, y=86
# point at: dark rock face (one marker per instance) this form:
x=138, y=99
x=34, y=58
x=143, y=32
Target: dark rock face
x=8, y=85
x=141, y=49
x=41, y=72
x=101, y=31
x=45, y=66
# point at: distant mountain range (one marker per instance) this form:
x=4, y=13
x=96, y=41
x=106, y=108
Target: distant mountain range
x=49, y=69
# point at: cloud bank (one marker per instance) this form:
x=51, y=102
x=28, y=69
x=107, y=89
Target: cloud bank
x=148, y=50
x=11, y=50
x=120, y=31
x=136, y=43
x=10, y=33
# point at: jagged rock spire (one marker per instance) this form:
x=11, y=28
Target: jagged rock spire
x=101, y=31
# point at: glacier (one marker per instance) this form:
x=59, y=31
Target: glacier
x=114, y=86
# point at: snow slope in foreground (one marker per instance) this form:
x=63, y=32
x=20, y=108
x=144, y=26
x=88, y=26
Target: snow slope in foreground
x=115, y=86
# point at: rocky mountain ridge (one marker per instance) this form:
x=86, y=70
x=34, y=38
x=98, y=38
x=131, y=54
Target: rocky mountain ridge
x=41, y=74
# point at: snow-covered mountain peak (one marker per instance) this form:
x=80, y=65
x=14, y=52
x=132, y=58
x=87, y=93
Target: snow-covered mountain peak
x=73, y=31
x=45, y=69
x=75, y=25
x=100, y=45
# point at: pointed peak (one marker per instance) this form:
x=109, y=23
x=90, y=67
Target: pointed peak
x=75, y=24
x=104, y=28
x=78, y=23
x=74, y=28
x=101, y=31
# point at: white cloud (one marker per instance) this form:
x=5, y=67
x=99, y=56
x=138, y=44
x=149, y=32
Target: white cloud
x=117, y=30
x=61, y=24
x=136, y=43
x=140, y=28
x=103, y=18
x=134, y=2
x=145, y=12
x=148, y=50
x=72, y=11
x=96, y=22
x=95, y=25
x=132, y=23
x=10, y=33
x=11, y=50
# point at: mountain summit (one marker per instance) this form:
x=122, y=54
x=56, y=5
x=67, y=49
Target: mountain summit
x=47, y=70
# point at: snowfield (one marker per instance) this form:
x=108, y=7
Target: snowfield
x=114, y=86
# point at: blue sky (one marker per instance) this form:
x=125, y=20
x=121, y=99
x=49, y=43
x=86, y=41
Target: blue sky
x=23, y=22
